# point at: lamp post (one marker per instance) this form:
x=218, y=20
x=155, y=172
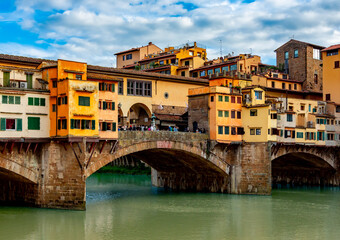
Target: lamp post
x=153, y=121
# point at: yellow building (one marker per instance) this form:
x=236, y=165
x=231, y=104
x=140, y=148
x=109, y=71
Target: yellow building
x=259, y=118
x=331, y=74
x=175, y=60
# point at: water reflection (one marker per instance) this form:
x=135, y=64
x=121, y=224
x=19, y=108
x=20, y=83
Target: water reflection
x=127, y=207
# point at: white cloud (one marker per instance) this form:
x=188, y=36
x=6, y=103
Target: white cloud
x=92, y=30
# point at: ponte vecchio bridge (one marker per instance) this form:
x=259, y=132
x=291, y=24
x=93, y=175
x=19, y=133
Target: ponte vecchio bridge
x=53, y=174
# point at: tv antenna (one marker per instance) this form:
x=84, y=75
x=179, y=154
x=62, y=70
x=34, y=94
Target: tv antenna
x=221, y=47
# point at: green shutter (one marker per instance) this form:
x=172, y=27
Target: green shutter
x=4, y=99
x=113, y=88
x=42, y=102
x=83, y=124
x=104, y=105
x=17, y=100
x=3, y=124
x=113, y=106
x=65, y=99
x=36, y=101
x=72, y=123
x=226, y=98
x=114, y=127
x=104, y=124
x=84, y=101
x=29, y=81
x=19, y=124
x=93, y=124
x=11, y=99
x=6, y=79
x=33, y=123
x=30, y=101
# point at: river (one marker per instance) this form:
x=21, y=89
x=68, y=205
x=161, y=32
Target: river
x=127, y=208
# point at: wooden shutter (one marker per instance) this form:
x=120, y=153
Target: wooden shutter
x=93, y=124
x=72, y=123
x=65, y=99
x=6, y=79
x=114, y=127
x=113, y=88
x=36, y=101
x=19, y=124
x=113, y=106
x=42, y=102
x=3, y=124
x=104, y=126
x=11, y=99
x=29, y=81
x=17, y=100
x=83, y=124
x=4, y=99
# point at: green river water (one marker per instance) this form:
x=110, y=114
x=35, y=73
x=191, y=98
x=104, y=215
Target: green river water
x=127, y=207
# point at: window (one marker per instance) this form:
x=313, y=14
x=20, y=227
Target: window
x=275, y=75
x=211, y=98
x=238, y=115
x=299, y=135
x=226, y=98
x=290, y=86
x=258, y=131
x=302, y=107
x=252, y=131
x=332, y=52
x=202, y=73
x=186, y=63
x=273, y=116
x=124, y=58
x=161, y=62
x=29, y=80
x=79, y=76
x=309, y=108
x=11, y=124
x=217, y=70
x=6, y=76
x=220, y=98
x=233, y=131
x=241, y=67
x=183, y=73
x=54, y=107
x=232, y=99
x=336, y=64
x=232, y=114
x=328, y=97
x=36, y=101
x=258, y=95
x=220, y=130
x=195, y=74
x=273, y=84
x=239, y=100
x=295, y=86
x=121, y=88
x=210, y=71
x=296, y=53
x=84, y=101
x=226, y=68
x=33, y=123
x=128, y=56
x=139, y=88
x=75, y=123
x=226, y=113
x=289, y=117
x=11, y=99
x=233, y=67
x=283, y=86
x=226, y=130
x=54, y=84
x=286, y=55
x=316, y=53
x=240, y=131
x=253, y=112
x=220, y=113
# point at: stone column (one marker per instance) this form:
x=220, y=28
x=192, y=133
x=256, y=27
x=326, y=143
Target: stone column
x=251, y=169
x=62, y=183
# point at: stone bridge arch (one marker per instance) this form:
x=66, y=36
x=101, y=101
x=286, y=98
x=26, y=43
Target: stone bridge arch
x=305, y=165
x=180, y=160
x=15, y=168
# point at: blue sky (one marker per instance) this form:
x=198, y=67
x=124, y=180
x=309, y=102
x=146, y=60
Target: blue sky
x=92, y=30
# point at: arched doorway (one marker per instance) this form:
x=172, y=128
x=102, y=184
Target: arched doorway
x=138, y=115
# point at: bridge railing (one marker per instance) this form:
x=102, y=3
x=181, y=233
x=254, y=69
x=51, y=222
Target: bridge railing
x=161, y=136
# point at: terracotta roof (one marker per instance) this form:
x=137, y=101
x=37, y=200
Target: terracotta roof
x=135, y=49
x=293, y=40
x=168, y=117
x=23, y=59
x=333, y=47
x=102, y=77
x=214, y=65
x=159, y=57
x=146, y=74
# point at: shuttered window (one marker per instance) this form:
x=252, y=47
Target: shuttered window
x=17, y=100
x=11, y=99
x=29, y=80
x=33, y=123
x=84, y=101
x=4, y=99
x=6, y=79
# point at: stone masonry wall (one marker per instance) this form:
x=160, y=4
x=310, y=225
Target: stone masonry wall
x=198, y=111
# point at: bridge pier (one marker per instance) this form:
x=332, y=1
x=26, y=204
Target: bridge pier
x=250, y=169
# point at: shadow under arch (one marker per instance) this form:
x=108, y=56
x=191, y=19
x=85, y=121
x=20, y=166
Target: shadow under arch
x=303, y=169
x=138, y=114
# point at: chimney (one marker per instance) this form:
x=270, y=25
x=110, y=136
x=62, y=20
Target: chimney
x=150, y=43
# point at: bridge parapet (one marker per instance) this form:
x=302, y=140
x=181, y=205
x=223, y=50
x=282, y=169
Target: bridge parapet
x=130, y=137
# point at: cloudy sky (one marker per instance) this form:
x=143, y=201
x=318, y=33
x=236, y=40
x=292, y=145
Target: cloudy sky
x=93, y=30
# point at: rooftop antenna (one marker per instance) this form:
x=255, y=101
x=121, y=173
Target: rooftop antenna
x=251, y=51
x=292, y=37
x=221, y=47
